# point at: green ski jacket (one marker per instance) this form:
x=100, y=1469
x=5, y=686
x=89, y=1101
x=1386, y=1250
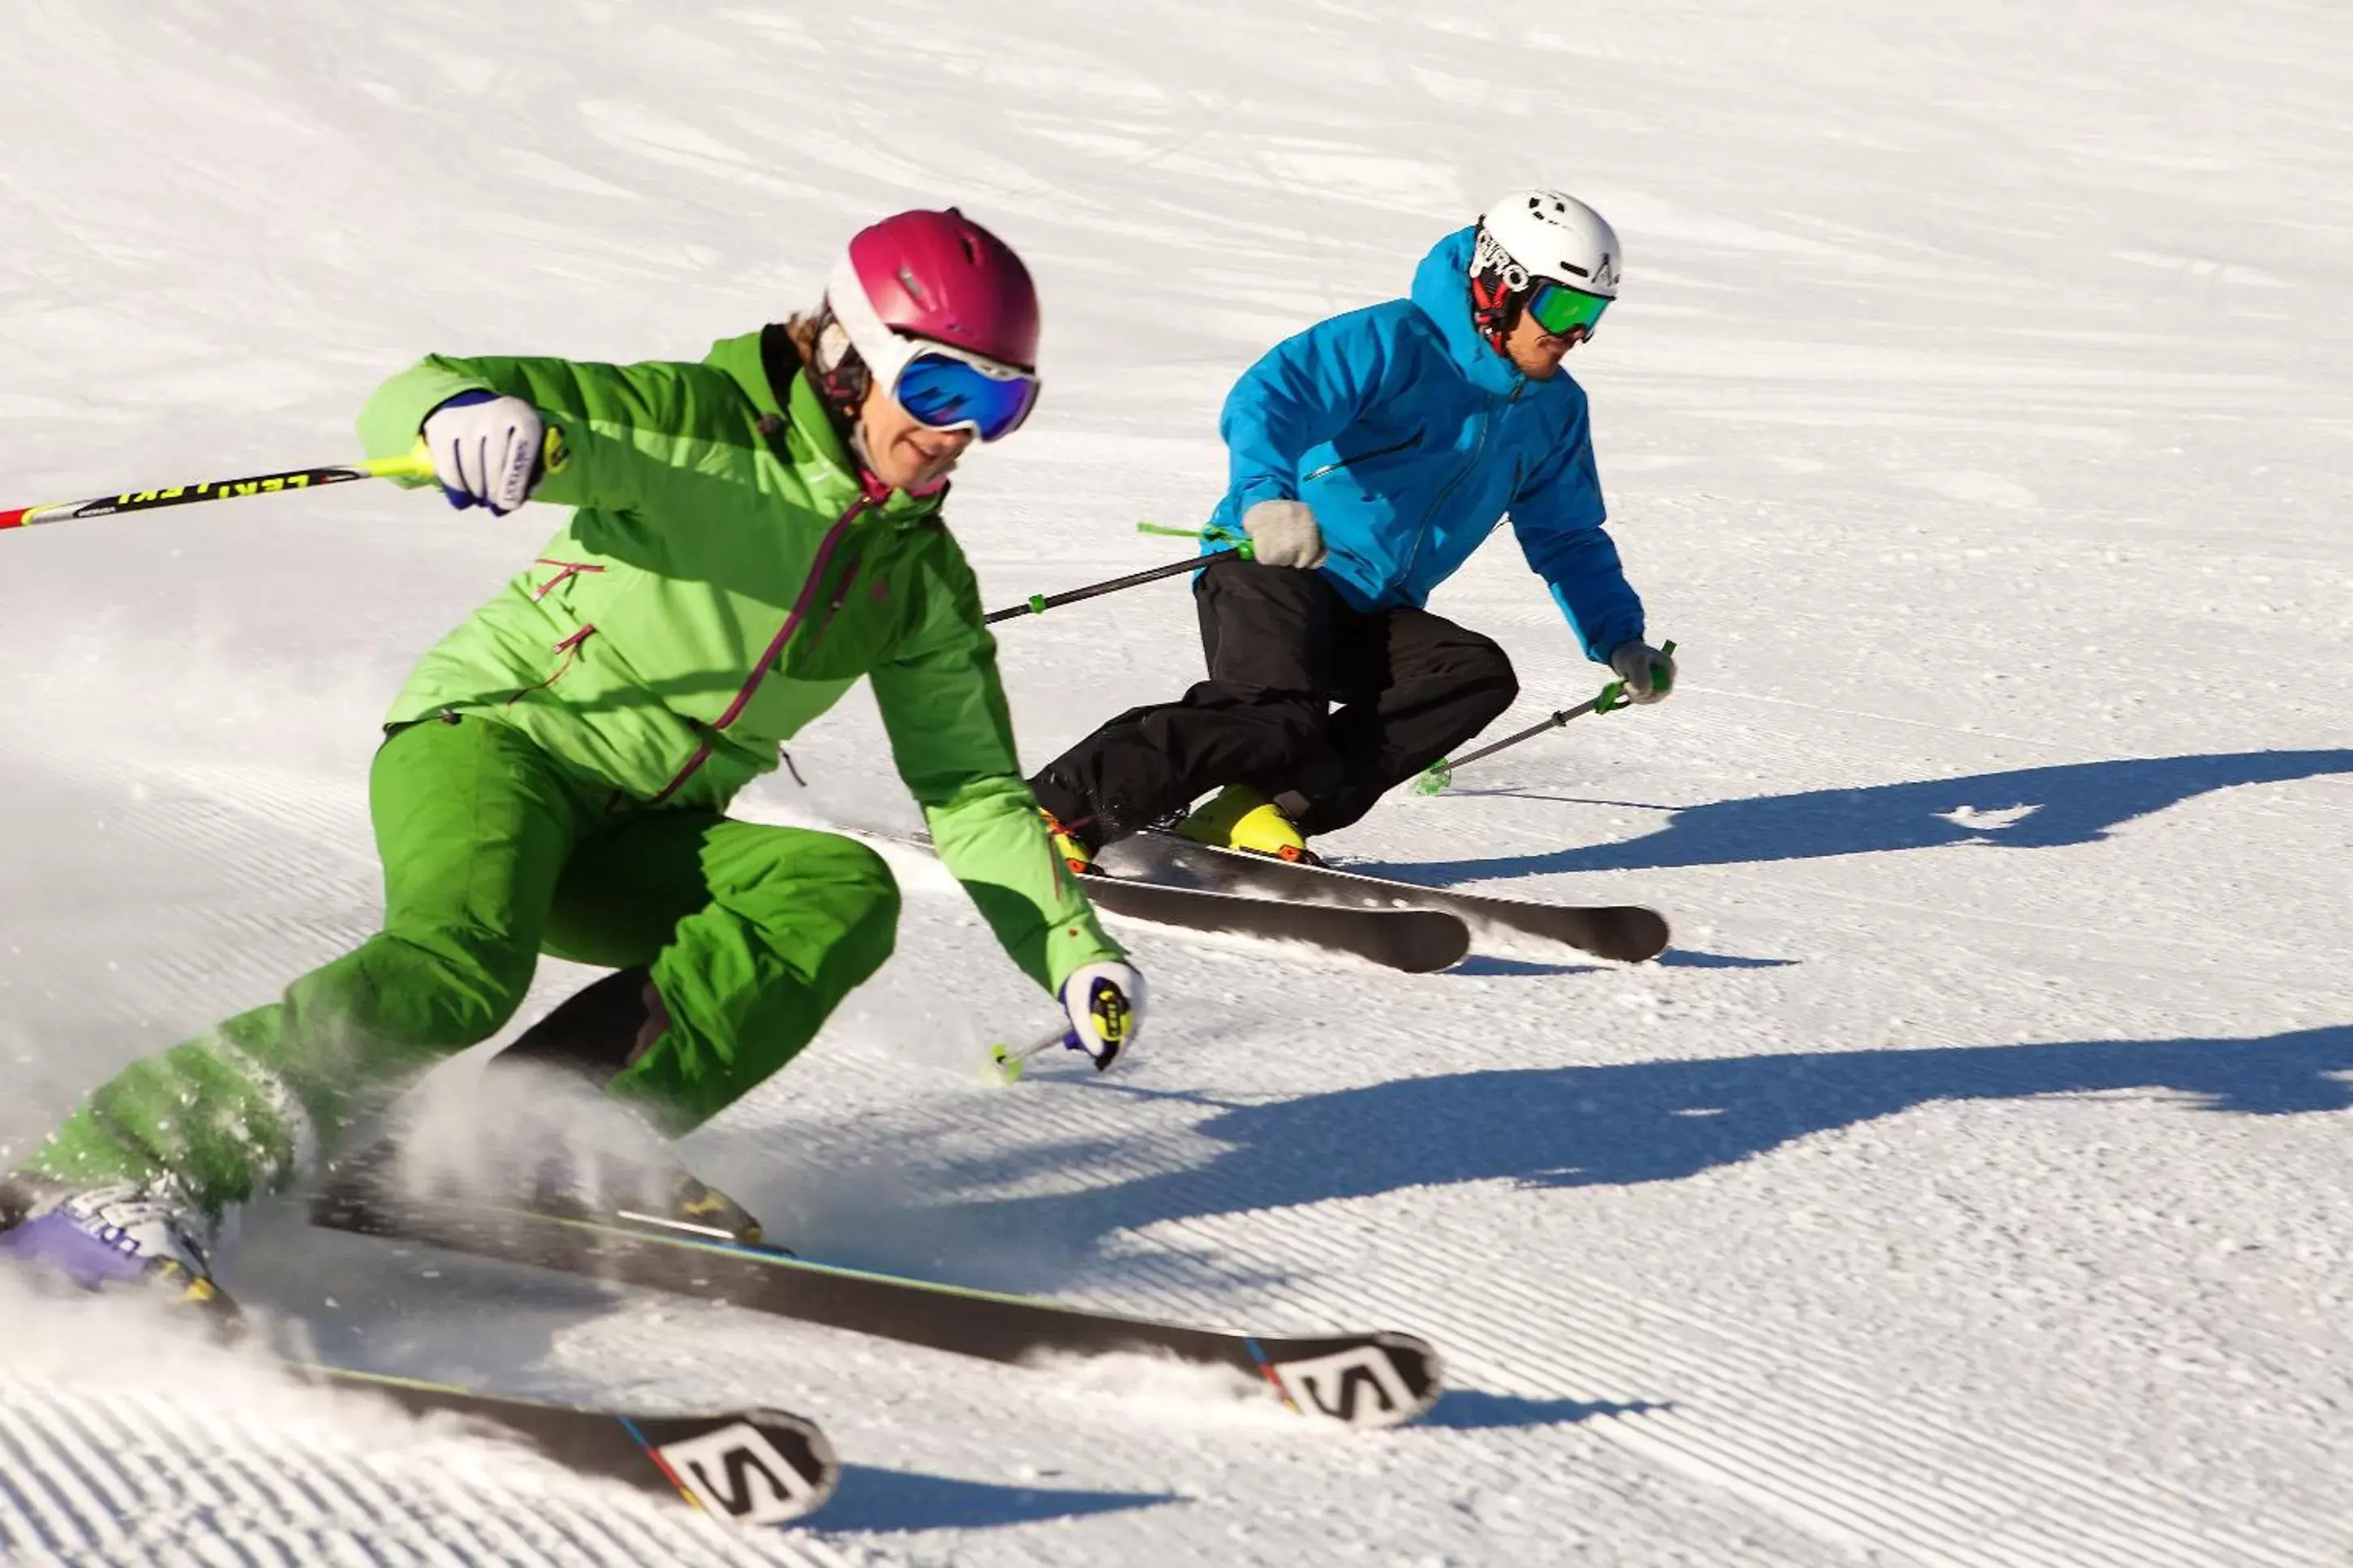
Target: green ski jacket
x=726, y=576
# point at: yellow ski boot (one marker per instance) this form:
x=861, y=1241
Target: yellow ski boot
x=1068, y=845
x=1239, y=818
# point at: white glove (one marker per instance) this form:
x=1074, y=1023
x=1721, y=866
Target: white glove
x=486, y=450
x=1105, y=1003
x=1284, y=533
x=1649, y=674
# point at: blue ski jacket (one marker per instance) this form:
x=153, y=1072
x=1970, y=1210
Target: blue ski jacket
x=1412, y=439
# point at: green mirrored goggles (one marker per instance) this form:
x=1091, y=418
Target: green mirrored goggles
x=1561, y=310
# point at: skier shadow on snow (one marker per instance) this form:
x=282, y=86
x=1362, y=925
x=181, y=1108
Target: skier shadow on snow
x=2079, y=803
x=1475, y=1409
x=878, y=1500
x=1643, y=1121
x=1488, y=966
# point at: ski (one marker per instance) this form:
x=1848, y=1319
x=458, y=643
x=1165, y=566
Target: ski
x=1419, y=941
x=752, y=1466
x=757, y=1466
x=1628, y=934
x=1364, y=1379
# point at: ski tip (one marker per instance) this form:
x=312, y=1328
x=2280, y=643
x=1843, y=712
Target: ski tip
x=815, y=1457
x=1641, y=934
x=1424, y=941
x=760, y=1466
x=1371, y=1382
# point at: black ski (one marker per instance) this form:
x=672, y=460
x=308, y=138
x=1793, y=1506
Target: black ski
x=754, y=1466
x=1419, y=941
x=1415, y=941
x=1361, y=1379
x=1626, y=932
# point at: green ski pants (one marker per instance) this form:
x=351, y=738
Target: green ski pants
x=494, y=853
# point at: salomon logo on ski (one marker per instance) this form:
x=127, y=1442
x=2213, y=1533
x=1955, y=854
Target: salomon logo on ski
x=1358, y=1386
x=735, y=1473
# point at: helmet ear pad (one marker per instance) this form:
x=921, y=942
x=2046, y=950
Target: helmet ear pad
x=1498, y=293
x=835, y=367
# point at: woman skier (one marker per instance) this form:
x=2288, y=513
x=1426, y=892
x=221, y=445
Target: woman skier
x=754, y=533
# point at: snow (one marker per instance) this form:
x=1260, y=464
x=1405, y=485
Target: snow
x=1968, y=1185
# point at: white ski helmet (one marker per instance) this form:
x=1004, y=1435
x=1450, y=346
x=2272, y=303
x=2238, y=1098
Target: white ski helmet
x=1530, y=238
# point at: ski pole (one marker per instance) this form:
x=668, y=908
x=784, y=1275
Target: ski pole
x=1609, y=699
x=1039, y=604
x=413, y=465
x=1010, y=1062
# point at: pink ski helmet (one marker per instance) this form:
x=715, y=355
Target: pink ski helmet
x=945, y=317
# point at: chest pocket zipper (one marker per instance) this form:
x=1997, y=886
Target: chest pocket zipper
x=570, y=649
x=571, y=569
x=1336, y=463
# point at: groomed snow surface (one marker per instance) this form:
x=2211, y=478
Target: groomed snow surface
x=1972, y=1184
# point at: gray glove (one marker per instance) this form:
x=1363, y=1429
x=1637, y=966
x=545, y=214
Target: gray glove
x=1649, y=674
x=1284, y=533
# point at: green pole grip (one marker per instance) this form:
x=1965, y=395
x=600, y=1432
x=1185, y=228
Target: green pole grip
x=1213, y=534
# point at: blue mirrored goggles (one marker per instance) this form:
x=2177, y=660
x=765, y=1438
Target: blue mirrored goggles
x=947, y=393
x=1561, y=310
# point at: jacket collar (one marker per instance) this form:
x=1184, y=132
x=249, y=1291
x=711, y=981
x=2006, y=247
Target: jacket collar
x=753, y=361
x=768, y=367
x=1441, y=289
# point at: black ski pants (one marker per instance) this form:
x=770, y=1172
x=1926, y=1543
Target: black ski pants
x=1283, y=648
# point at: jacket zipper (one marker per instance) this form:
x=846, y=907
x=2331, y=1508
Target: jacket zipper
x=1412, y=440
x=833, y=605
x=1486, y=424
x=776, y=646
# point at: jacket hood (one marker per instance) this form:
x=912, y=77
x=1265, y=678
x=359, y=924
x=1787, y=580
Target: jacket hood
x=1442, y=289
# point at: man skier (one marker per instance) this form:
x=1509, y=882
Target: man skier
x=1369, y=456
x=754, y=534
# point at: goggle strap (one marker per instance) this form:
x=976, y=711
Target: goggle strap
x=886, y=353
